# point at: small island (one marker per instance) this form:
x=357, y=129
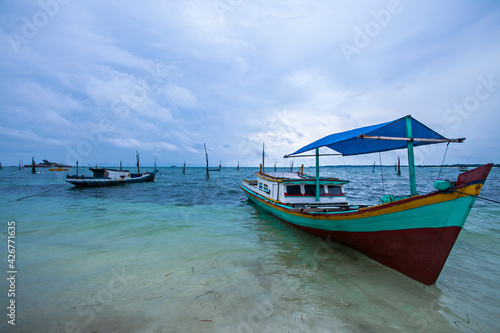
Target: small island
x=47, y=164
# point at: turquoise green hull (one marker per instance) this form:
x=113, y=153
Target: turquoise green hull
x=452, y=213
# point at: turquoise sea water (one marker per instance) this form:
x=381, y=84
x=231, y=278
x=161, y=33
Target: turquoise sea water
x=186, y=254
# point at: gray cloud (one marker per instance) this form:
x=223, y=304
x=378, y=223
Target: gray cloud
x=239, y=73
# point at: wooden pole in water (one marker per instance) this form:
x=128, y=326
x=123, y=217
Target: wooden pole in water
x=76, y=169
x=291, y=167
x=120, y=165
x=155, y=164
x=274, y=166
x=184, y=168
x=137, y=156
x=33, y=170
x=399, y=167
x=206, y=155
x=220, y=164
x=237, y=168
x=373, y=170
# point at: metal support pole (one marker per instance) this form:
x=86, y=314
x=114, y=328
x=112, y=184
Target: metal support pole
x=317, y=174
x=411, y=158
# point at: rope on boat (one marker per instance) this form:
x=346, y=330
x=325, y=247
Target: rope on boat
x=345, y=169
x=34, y=195
x=442, y=163
x=470, y=195
x=381, y=169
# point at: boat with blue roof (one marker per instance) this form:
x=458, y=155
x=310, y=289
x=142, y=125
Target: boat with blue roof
x=413, y=234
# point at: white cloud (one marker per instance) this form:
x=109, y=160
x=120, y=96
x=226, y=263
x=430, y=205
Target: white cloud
x=55, y=120
x=124, y=95
x=179, y=95
x=141, y=145
x=29, y=136
x=39, y=96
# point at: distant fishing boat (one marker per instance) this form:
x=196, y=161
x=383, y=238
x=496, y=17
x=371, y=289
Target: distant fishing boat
x=58, y=169
x=463, y=167
x=109, y=177
x=413, y=234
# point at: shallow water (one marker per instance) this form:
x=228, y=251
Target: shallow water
x=186, y=254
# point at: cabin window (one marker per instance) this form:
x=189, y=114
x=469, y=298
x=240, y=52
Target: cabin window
x=260, y=186
x=293, y=190
x=311, y=190
x=334, y=190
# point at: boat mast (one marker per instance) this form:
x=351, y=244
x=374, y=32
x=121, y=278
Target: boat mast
x=263, y=157
x=411, y=157
x=317, y=174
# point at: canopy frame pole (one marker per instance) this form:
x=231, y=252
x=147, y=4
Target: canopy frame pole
x=363, y=136
x=311, y=155
x=411, y=157
x=317, y=174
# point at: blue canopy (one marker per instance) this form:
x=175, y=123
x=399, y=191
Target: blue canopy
x=352, y=143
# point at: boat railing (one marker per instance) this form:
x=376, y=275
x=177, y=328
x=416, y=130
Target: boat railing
x=309, y=205
x=251, y=182
x=83, y=177
x=328, y=209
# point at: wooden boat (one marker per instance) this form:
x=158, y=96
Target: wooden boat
x=58, y=169
x=463, y=167
x=413, y=235
x=109, y=177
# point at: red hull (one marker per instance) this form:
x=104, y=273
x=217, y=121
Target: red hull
x=421, y=258
x=418, y=252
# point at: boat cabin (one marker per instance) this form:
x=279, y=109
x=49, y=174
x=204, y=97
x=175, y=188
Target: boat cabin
x=110, y=173
x=298, y=189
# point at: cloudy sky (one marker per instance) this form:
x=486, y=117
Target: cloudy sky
x=95, y=81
